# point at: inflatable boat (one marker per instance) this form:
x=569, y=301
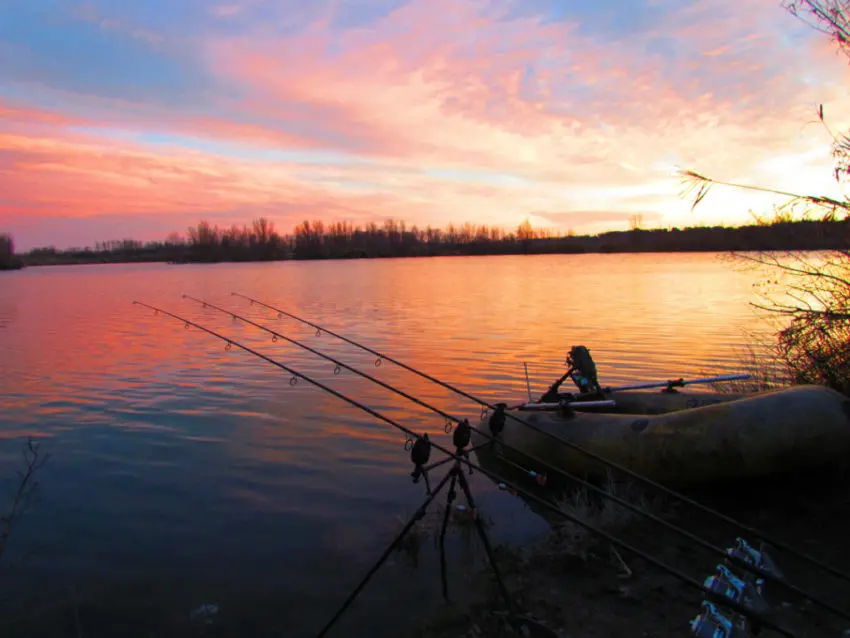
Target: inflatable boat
x=772, y=432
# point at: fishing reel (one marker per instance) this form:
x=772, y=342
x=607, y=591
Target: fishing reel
x=746, y=592
x=420, y=452
x=582, y=369
x=757, y=558
x=715, y=620
x=671, y=386
x=712, y=623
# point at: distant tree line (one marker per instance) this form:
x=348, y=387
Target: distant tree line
x=207, y=243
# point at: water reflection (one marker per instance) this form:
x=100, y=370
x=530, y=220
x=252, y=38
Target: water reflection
x=175, y=461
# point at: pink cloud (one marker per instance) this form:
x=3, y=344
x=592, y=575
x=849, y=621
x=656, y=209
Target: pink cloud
x=76, y=178
x=16, y=117
x=86, y=177
x=446, y=106
x=226, y=10
x=596, y=123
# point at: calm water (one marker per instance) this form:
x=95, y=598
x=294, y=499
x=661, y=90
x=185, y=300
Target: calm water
x=183, y=474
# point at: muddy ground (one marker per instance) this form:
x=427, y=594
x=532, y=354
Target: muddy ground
x=571, y=585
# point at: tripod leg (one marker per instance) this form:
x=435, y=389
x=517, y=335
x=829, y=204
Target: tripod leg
x=450, y=497
x=427, y=482
x=418, y=515
x=487, y=548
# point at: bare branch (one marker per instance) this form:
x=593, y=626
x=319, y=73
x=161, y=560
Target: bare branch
x=700, y=184
x=34, y=460
x=827, y=16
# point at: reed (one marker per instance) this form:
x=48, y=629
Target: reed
x=767, y=370
x=602, y=513
x=427, y=530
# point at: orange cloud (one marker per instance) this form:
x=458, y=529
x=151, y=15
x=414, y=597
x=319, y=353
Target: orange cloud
x=443, y=109
x=432, y=124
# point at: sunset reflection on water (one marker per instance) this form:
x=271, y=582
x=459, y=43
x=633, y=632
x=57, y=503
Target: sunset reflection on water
x=177, y=461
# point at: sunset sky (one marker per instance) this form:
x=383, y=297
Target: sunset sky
x=137, y=118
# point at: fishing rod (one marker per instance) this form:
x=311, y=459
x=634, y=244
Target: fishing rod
x=540, y=462
x=527, y=381
x=459, y=458
x=678, y=383
x=669, y=386
x=340, y=365
x=639, y=477
x=230, y=343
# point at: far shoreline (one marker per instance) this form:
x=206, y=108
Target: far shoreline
x=242, y=246
x=111, y=262
x=108, y=262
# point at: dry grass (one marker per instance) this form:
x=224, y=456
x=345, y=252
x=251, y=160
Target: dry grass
x=567, y=537
x=767, y=371
x=570, y=538
x=556, y=568
x=427, y=529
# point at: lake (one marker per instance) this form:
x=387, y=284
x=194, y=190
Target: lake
x=183, y=474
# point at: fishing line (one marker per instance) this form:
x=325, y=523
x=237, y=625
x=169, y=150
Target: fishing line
x=612, y=497
x=643, y=479
x=337, y=362
x=545, y=504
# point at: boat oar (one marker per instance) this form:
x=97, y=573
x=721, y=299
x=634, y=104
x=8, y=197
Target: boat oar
x=576, y=405
x=678, y=383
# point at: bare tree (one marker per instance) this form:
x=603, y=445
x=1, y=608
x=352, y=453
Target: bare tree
x=524, y=231
x=636, y=221
x=827, y=16
x=7, y=246
x=7, y=250
x=831, y=17
x=810, y=293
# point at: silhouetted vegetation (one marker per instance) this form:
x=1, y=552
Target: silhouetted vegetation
x=8, y=259
x=208, y=243
x=810, y=294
